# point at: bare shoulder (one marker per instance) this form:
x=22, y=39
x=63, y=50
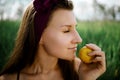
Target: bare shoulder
x=8, y=77
x=1, y=77
x=77, y=63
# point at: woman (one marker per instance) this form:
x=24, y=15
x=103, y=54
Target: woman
x=46, y=44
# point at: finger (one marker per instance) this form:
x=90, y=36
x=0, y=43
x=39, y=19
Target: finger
x=97, y=59
x=96, y=53
x=99, y=55
x=101, y=62
x=93, y=47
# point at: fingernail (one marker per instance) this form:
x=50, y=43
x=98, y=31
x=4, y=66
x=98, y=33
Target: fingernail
x=89, y=54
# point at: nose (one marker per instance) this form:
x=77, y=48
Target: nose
x=76, y=38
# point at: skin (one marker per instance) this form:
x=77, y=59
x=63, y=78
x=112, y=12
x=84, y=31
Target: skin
x=59, y=40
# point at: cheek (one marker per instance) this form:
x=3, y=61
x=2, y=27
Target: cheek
x=55, y=44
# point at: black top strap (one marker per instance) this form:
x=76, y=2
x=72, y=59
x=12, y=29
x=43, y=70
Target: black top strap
x=18, y=75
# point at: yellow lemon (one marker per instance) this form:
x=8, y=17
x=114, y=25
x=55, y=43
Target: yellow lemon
x=83, y=55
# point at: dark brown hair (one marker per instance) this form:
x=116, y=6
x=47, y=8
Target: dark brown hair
x=25, y=46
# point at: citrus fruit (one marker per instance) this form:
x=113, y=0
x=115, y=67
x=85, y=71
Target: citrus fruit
x=83, y=55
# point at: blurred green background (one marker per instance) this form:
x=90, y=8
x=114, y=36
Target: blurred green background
x=105, y=34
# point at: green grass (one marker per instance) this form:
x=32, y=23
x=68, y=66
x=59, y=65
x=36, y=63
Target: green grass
x=104, y=34
x=8, y=30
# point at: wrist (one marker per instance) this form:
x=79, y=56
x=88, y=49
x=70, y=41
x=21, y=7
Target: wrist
x=86, y=78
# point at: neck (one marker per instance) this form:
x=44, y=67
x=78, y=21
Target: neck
x=43, y=64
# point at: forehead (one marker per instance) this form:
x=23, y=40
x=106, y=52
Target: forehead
x=62, y=17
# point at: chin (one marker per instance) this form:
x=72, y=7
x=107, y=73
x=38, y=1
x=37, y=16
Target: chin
x=71, y=59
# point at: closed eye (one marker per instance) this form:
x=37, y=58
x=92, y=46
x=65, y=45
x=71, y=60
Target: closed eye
x=66, y=31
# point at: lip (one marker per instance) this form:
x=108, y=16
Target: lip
x=73, y=48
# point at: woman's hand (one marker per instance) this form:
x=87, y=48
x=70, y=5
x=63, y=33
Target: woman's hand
x=98, y=66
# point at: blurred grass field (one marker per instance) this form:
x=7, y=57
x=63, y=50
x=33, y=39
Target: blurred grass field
x=8, y=32
x=105, y=34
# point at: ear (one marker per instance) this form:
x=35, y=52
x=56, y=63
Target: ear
x=41, y=41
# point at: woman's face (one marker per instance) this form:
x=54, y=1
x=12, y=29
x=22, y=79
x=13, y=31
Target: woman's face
x=60, y=38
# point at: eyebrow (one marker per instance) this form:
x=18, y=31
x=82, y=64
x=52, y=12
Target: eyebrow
x=68, y=25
